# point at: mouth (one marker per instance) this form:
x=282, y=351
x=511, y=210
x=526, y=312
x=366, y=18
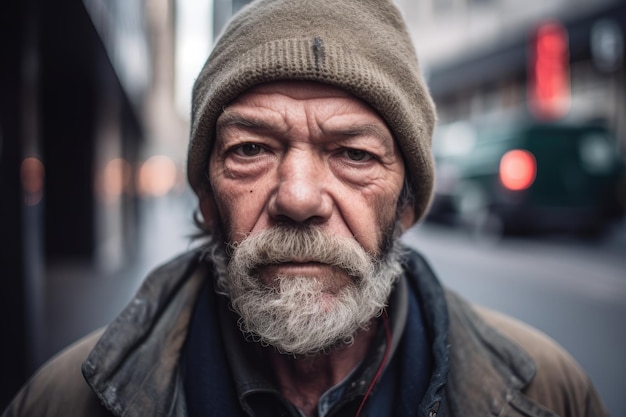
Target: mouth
x=331, y=278
x=296, y=268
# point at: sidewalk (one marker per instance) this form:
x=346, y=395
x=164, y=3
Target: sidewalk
x=79, y=298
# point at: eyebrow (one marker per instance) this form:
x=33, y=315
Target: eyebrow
x=364, y=129
x=232, y=118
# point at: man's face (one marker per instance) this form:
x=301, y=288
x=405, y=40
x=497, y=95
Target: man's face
x=322, y=170
x=300, y=153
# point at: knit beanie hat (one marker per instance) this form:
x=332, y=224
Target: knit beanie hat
x=360, y=46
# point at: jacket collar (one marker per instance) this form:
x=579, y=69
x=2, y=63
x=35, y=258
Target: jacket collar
x=131, y=367
x=486, y=371
x=431, y=296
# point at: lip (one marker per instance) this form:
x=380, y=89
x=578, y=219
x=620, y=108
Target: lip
x=332, y=278
x=298, y=268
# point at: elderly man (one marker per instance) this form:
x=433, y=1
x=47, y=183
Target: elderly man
x=310, y=154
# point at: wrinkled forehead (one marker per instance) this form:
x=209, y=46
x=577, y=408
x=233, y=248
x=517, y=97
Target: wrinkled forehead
x=287, y=95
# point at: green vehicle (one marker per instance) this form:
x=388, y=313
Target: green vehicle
x=528, y=177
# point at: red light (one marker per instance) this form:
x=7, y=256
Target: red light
x=549, y=89
x=518, y=169
x=32, y=173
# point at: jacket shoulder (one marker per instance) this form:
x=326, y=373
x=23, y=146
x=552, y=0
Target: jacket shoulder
x=559, y=382
x=58, y=387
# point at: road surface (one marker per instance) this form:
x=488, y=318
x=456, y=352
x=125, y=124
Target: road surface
x=575, y=291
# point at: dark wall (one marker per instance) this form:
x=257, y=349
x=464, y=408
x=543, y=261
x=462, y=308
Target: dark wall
x=12, y=315
x=69, y=55
x=55, y=80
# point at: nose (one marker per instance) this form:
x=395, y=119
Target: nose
x=301, y=196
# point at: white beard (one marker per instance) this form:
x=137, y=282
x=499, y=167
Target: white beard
x=295, y=314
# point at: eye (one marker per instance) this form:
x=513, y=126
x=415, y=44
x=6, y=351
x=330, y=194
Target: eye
x=357, y=155
x=248, y=149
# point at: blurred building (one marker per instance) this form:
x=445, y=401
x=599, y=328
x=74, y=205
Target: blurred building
x=74, y=77
x=482, y=57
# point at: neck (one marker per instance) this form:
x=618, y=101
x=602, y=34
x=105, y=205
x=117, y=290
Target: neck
x=303, y=380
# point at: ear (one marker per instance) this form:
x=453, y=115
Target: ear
x=407, y=216
x=208, y=208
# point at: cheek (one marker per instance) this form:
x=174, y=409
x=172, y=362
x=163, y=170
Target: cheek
x=386, y=210
x=381, y=195
x=387, y=219
x=240, y=208
x=383, y=211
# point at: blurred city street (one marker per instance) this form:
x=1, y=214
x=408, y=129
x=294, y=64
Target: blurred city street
x=573, y=290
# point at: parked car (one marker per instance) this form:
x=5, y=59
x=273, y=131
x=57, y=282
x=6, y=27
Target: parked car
x=527, y=176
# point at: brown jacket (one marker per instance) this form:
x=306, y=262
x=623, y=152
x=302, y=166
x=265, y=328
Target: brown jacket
x=498, y=366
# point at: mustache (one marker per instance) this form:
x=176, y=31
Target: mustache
x=300, y=244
